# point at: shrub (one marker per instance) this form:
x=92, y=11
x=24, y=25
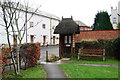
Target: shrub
x=30, y=53
x=107, y=45
x=100, y=43
x=116, y=48
x=3, y=58
x=86, y=44
x=53, y=58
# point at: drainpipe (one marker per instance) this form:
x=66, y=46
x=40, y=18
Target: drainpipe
x=50, y=31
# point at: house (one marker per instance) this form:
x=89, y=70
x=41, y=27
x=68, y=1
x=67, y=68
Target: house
x=43, y=32
x=38, y=29
x=115, y=16
x=83, y=27
x=67, y=28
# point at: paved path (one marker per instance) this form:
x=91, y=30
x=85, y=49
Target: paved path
x=54, y=71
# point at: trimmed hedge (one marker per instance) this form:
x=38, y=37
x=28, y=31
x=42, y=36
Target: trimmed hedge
x=30, y=53
x=111, y=46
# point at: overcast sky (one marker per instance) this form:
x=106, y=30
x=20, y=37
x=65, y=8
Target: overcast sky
x=83, y=10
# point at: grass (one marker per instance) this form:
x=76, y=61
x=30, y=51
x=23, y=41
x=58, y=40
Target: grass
x=34, y=72
x=107, y=62
x=81, y=71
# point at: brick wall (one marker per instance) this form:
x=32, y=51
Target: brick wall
x=99, y=34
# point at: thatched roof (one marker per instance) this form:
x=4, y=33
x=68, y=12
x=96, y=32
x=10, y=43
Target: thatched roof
x=67, y=26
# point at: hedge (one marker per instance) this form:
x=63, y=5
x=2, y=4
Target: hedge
x=30, y=54
x=110, y=46
x=116, y=48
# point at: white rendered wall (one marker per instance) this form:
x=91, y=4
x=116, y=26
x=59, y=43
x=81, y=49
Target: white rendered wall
x=37, y=30
x=119, y=11
x=54, y=23
x=114, y=15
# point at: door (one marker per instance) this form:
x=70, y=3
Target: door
x=53, y=39
x=67, y=44
x=44, y=40
x=32, y=38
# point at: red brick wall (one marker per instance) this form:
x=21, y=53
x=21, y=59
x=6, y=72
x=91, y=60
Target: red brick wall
x=100, y=34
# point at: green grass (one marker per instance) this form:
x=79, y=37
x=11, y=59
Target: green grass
x=107, y=62
x=80, y=71
x=34, y=72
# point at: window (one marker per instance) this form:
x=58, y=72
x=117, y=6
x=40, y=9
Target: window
x=81, y=28
x=114, y=20
x=43, y=26
x=31, y=24
x=68, y=39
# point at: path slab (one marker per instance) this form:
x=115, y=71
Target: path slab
x=54, y=71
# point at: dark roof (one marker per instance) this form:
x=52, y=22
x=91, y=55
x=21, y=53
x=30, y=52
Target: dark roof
x=67, y=26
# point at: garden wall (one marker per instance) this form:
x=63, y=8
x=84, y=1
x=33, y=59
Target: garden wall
x=99, y=34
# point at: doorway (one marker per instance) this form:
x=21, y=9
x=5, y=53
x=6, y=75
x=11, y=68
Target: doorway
x=32, y=38
x=44, y=40
x=53, y=39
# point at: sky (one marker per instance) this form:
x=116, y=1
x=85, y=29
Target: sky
x=83, y=10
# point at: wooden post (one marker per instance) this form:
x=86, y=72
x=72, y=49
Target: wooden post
x=73, y=46
x=103, y=54
x=46, y=56
x=79, y=53
x=60, y=46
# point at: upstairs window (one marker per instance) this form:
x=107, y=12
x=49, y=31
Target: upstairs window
x=31, y=24
x=114, y=20
x=67, y=39
x=43, y=26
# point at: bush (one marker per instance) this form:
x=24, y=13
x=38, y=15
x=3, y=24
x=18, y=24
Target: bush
x=116, y=48
x=53, y=58
x=100, y=43
x=30, y=53
x=86, y=44
x=107, y=45
x=4, y=58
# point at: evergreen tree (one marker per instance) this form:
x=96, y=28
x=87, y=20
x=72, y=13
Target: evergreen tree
x=118, y=26
x=102, y=21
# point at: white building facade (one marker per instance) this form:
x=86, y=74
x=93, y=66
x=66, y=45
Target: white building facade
x=115, y=16
x=40, y=28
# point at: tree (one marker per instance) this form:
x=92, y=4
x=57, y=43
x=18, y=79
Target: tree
x=13, y=12
x=118, y=26
x=102, y=21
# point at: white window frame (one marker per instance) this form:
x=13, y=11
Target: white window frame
x=31, y=23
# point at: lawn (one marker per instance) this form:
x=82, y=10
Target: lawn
x=107, y=62
x=82, y=71
x=34, y=72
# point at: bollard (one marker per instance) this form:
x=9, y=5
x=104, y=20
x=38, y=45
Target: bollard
x=46, y=56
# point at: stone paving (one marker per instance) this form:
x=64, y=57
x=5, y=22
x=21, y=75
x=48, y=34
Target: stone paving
x=53, y=70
